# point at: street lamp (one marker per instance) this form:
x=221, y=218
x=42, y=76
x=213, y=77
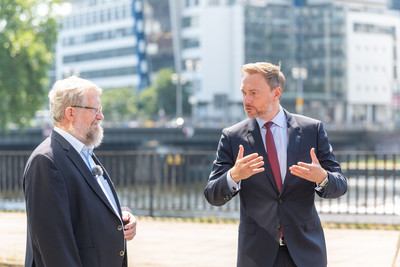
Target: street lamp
x=178, y=80
x=193, y=66
x=299, y=74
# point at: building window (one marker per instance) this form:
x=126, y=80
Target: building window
x=370, y=28
x=191, y=43
x=213, y=2
x=109, y=72
x=120, y=52
x=188, y=22
x=125, y=11
x=220, y=101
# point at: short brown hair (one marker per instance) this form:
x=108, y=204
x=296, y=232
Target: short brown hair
x=272, y=73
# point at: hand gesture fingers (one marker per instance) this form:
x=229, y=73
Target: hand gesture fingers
x=314, y=158
x=246, y=166
x=310, y=171
x=240, y=154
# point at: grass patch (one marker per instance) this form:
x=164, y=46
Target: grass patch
x=204, y=219
x=361, y=226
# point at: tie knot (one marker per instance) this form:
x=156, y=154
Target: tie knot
x=268, y=124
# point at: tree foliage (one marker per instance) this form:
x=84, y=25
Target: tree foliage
x=161, y=95
x=119, y=104
x=148, y=106
x=28, y=33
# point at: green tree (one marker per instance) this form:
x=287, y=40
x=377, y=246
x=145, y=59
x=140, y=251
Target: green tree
x=161, y=95
x=28, y=32
x=119, y=104
x=148, y=104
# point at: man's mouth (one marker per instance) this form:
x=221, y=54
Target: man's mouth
x=96, y=123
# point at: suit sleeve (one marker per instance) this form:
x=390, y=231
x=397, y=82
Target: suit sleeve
x=337, y=185
x=217, y=191
x=47, y=205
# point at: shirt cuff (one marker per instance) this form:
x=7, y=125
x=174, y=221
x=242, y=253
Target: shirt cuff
x=233, y=186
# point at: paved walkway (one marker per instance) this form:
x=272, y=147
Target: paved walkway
x=172, y=243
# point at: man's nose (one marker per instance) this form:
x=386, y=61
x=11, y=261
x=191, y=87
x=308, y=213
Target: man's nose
x=246, y=99
x=99, y=115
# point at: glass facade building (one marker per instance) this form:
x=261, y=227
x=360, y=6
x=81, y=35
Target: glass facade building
x=97, y=41
x=340, y=58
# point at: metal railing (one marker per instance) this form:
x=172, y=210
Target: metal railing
x=172, y=184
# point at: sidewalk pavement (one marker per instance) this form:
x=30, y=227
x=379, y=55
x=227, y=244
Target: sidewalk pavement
x=164, y=243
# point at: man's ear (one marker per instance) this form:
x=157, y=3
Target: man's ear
x=277, y=93
x=70, y=114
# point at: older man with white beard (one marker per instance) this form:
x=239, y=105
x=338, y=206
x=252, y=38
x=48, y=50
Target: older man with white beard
x=74, y=216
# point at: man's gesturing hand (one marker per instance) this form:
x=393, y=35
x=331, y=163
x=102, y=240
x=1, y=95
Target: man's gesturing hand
x=312, y=172
x=246, y=166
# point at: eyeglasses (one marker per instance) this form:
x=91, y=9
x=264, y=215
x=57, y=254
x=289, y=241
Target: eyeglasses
x=97, y=110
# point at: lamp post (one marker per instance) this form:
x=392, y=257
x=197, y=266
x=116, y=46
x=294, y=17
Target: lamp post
x=175, y=15
x=193, y=66
x=178, y=80
x=299, y=74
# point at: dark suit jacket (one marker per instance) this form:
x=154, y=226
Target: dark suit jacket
x=262, y=209
x=70, y=221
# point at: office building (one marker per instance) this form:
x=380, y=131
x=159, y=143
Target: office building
x=98, y=40
x=340, y=58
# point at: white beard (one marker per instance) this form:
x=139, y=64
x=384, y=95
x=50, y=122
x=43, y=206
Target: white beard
x=89, y=136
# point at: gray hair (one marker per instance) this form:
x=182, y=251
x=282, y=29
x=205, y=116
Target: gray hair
x=272, y=73
x=67, y=92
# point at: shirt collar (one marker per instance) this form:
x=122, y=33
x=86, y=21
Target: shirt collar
x=279, y=119
x=75, y=143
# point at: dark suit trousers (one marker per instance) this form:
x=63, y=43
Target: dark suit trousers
x=283, y=259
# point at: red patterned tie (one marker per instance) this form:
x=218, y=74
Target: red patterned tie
x=273, y=156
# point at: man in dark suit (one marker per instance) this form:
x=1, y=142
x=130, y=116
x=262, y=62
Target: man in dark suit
x=276, y=161
x=74, y=216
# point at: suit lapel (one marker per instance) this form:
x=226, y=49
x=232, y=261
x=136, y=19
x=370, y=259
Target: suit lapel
x=77, y=160
x=255, y=139
x=110, y=183
x=293, y=144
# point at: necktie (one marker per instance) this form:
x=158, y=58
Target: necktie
x=272, y=155
x=273, y=160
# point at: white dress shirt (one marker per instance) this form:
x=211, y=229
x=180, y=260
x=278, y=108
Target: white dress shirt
x=279, y=132
x=86, y=154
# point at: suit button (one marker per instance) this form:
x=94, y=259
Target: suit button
x=280, y=201
x=119, y=227
x=278, y=226
x=122, y=253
